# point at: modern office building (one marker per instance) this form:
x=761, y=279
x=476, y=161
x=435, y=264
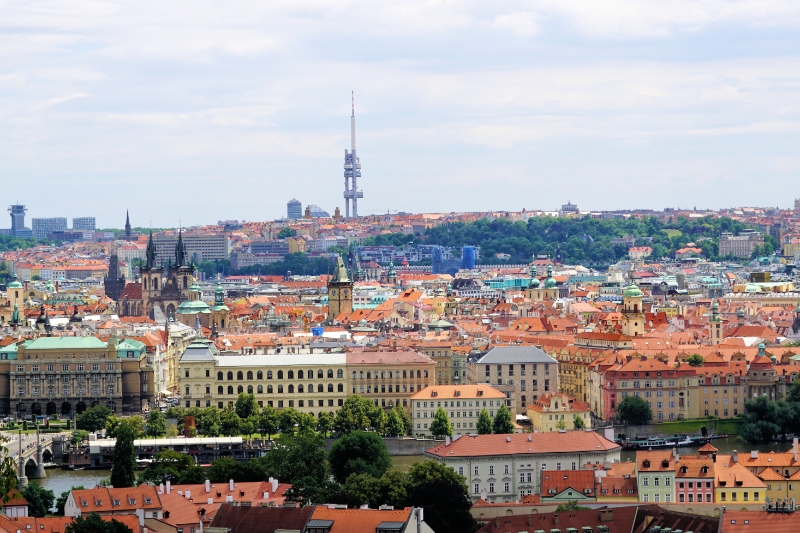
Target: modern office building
x=294, y=209
x=84, y=224
x=199, y=247
x=41, y=227
x=18, y=228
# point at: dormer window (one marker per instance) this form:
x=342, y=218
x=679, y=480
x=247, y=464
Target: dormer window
x=664, y=464
x=147, y=501
x=646, y=463
x=684, y=470
x=115, y=503
x=132, y=501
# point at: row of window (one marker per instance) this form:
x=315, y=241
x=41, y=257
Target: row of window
x=289, y=374
x=459, y=403
x=647, y=384
x=395, y=388
x=690, y=498
x=383, y=375
x=64, y=379
x=488, y=369
x=745, y=496
x=51, y=391
x=289, y=389
x=657, y=498
x=65, y=367
x=656, y=480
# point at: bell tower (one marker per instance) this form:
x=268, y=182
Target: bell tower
x=632, y=312
x=340, y=291
x=715, y=325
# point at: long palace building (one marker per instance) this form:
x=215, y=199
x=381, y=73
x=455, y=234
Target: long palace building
x=62, y=375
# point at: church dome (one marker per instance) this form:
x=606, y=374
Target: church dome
x=190, y=307
x=632, y=291
x=15, y=284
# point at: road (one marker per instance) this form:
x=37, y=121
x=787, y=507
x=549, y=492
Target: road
x=28, y=441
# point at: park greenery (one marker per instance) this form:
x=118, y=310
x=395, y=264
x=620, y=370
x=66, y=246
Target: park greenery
x=582, y=240
x=634, y=410
x=92, y=523
x=766, y=420
x=297, y=263
x=123, y=473
x=695, y=360
x=40, y=500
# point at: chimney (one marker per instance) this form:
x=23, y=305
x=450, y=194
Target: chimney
x=169, y=487
x=208, y=486
x=735, y=457
x=530, y=520
x=266, y=495
x=556, y=519
x=676, y=455
x=497, y=523
x=210, y=500
x=530, y=437
x=606, y=515
x=161, y=489
x=794, y=448
x=188, y=495
x=274, y=485
x=754, y=454
x=230, y=484
x=447, y=441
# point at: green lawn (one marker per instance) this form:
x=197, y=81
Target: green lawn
x=729, y=426
x=672, y=232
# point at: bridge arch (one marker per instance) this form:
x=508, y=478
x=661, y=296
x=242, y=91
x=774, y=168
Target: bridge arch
x=47, y=455
x=31, y=467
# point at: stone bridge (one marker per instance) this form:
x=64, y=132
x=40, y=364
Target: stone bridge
x=31, y=456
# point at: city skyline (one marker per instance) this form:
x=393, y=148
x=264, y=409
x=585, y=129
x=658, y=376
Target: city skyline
x=461, y=107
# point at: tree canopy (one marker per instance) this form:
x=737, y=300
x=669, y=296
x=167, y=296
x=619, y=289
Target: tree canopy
x=484, y=424
x=93, y=419
x=441, y=425
x=94, y=524
x=122, y=475
x=634, y=410
x=359, y=452
x=40, y=500
x=695, y=360
x=502, y=422
x=156, y=424
x=357, y=413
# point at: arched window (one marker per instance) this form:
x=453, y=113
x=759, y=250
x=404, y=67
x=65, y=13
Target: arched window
x=418, y=374
x=280, y=374
x=269, y=389
x=404, y=373
x=330, y=387
x=330, y=374
x=396, y=374
x=269, y=374
x=259, y=375
x=260, y=389
x=249, y=389
x=239, y=375
x=319, y=374
x=219, y=376
x=291, y=389
x=185, y=282
x=300, y=388
x=219, y=389
x=341, y=387
x=361, y=375
x=311, y=388
x=426, y=373
x=280, y=389
x=340, y=373
x=354, y=374
x=240, y=389
x=249, y=374
x=290, y=374
x=230, y=376
x=369, y=374
x=320, y=388
x=230, y=389
x=299, y=374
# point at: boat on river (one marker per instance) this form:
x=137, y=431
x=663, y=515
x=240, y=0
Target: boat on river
x=675, y=441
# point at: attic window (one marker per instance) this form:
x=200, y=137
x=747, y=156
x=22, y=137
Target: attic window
x=115, y=503
x=84, y=503
x=664, y=463
x=480, y=393
x=147, y=501
x=132, y=501
x=646, y=463
x=457, y=393
x=434, y=394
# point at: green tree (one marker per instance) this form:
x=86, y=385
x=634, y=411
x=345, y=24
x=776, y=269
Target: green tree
x=440, y=425
x=224, y=469
x=357, y=413
x=246, y=406
x=122, y=475
x=407, y=425
x=93, y=419
x=443, y=494
x=484, y=422
x=695, y=360
x=156, y=424
x=359, y=452
x=166, y=466
x=561, y=424
x=288, y=420
x=571, y=506
x=61, y=501
x=40, y=500
x=94, y=524
x=578, y=423
x=502, y=422
x=285, y=233
x=325, y=423
x=134, y=423
x=394, y=425
x=210, y=423
x=268, y=422
x=79, y=436
x=194, y=475
x=634, y=410
x=229, y=422
x=298, y=458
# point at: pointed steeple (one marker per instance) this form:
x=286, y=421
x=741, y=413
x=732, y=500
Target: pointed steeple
x=150, y=255
x=180, y=251
x=219, y=293
x=127, y=226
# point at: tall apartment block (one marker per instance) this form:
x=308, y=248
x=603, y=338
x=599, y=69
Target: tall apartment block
x=41, y=227
x=84, y=224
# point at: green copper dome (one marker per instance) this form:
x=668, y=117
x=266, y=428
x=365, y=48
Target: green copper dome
x=192, y=307
x=632, y=291
x=15, y=284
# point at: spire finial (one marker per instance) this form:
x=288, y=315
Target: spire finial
x=353, y=103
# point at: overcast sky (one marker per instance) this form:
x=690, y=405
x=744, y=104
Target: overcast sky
x=197, y=111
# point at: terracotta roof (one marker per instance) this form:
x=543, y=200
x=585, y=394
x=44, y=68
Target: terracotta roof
x=398, y=358
x=524, y=443
x=239, y=519
x=748, y=521
x=441, y=392
x=557, y=481
x=359, y=520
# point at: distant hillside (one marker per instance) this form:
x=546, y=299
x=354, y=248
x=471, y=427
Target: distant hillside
x=585, y=240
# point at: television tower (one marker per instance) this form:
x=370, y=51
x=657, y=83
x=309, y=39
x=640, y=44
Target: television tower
x=352, y=167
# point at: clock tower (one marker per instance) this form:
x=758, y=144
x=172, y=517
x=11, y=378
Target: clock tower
x=340, y=291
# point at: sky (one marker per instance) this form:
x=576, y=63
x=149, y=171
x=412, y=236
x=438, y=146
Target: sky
x=190, y=112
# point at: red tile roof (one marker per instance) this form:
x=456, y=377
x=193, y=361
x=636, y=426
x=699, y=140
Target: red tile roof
x=524, y=443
